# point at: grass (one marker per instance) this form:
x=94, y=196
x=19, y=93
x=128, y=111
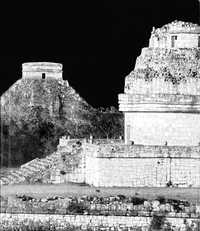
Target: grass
x=42, y=190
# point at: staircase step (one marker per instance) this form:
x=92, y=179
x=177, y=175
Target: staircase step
x=10, y=177
x=4, y=180
x=30, y=168
x=26, y=172
x=16, y=174
x=1, y=182
x=45, y=161
x=39, y=165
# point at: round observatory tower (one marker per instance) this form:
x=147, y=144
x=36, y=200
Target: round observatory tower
x=161, y=100
x=42, y=70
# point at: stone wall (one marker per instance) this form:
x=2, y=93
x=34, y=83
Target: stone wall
x=42, y=70
x=161, y=86
x=115, y=164
x=157, y=128
x=84, y=222
x=187, y=35
x=71, y=164
x=165, y=71
x=150, y=172
x=184, y=40
x=109, y=165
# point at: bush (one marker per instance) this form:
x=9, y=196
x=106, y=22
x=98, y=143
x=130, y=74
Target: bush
x=137, y=200
x=161, y=199
x=77, y=208
x=157, y=222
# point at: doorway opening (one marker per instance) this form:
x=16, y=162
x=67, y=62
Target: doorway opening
x=43, y=75
x=174, y=38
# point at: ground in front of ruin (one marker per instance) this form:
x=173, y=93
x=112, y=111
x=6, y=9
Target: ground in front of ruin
x=41, y=190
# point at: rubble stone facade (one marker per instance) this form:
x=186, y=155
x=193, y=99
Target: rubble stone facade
x=176, y=35
x=161, y=105
x=161, y=100
x=93, y=222
x=114, y=164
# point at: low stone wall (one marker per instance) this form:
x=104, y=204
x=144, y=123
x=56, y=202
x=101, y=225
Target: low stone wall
x=119, y=205
x=139, y=166
x=93, y=222
x=106, y=164
x=150, y=172
x=145, y=151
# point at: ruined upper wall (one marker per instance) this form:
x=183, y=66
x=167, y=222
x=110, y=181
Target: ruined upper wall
x=177, y=34
x=167, y=72
x=42, y=70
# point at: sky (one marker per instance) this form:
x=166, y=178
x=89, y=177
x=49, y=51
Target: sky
x=96, y=42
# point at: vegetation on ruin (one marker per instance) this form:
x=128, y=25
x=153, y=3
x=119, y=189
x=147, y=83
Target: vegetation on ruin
x=118, y=205
x=98, y=205
x=30, y=130
x=174, y=66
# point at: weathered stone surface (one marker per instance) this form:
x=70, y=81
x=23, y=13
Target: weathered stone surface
x=161, y=100
x=177, y=34
x=42, y=70
x=60, y=222
x=121, y=165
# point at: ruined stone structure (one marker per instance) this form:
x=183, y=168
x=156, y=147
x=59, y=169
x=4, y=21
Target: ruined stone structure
x=111, y=163
x=161, y=100
x=42, y=85
x=176, y=35
x=43, y=74
x=42, y=70
x=161, y=105
x=94, y=222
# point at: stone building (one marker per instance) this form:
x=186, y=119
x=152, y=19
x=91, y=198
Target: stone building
x=45, y=78
x=176, y=35
x=161, y=105
x=42, y=70
x=161, y=100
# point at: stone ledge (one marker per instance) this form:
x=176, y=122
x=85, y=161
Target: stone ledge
x=138, y=151
x=147, y=107
x=171, y=99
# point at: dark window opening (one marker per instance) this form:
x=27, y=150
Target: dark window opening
x=43, y=76
x=198, y=41
x=174, y=37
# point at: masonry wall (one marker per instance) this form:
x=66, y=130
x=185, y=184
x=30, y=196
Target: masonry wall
x=184, y=40
x=37, y=70
x=160, y=86
x=38, y=75
x=94, y=222
x=150, y=172
x=72, y=168
x=120, y=165
x=150, y=128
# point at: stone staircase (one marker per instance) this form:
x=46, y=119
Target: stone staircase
x=30, y=169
